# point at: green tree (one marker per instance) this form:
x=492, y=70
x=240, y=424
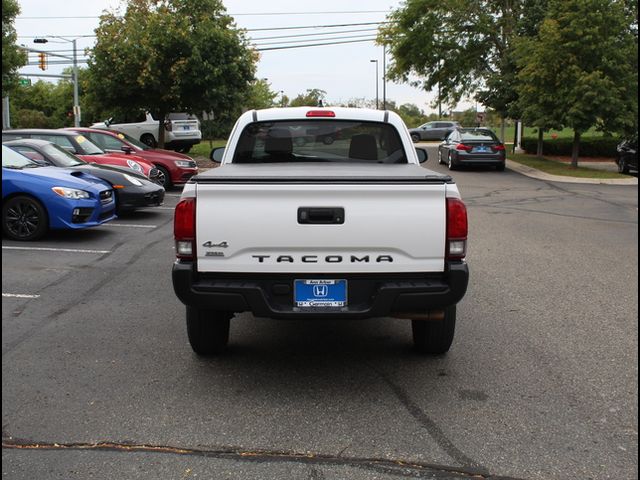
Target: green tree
x=12, y=57
x=171, y=55
x=260, y=95
x=309, y=99
x=597, y=85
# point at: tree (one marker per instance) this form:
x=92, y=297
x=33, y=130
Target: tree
x=598, y=82
x=171, y=55
x=260, y=95
x=12, y=57
x=310, y=98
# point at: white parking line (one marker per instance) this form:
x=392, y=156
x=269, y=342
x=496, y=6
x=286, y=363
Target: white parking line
x=132, y=225
x=19, y=295
x=164, y=208
x=172, y=194
x=49, y=249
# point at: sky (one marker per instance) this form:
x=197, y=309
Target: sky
x=344, y=71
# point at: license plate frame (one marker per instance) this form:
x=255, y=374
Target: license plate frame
x=320, y=293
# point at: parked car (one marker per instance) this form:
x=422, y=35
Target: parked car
x=85, y=149
x=627, y=155
x=173, y=168
x=472, y=146
x=182, y=130
x=132, y=190
x=36, y=198
x=432, y=131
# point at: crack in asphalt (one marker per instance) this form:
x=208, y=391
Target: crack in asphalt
x=403, y=468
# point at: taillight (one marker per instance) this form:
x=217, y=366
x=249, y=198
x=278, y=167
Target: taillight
x=498, y=147
x=457, y=229
x=184, y=228
x=462, y=146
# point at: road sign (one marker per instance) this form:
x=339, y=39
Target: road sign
x=25, y=81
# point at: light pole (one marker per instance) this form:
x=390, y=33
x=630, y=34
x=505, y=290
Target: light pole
x=76, y=103
x=384, y=77
x=282, y=98
x=376, y=62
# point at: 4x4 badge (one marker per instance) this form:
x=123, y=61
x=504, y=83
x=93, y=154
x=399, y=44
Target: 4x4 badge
x=210, y=244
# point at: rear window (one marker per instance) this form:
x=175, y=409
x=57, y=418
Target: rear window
x=478, y=135
x=336, y=141
x=181, y=116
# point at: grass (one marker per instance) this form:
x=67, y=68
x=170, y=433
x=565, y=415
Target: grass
x=558, y=168
x=203, y=149
x=509, y=133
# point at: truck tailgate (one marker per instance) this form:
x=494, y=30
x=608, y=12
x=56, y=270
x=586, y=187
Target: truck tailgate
x=393, y=220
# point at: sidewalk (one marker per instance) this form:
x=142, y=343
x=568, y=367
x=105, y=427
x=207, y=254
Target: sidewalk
x=533, y=173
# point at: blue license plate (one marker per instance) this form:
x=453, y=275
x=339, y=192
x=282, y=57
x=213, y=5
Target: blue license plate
x=320, y=293
x=186, y=127
x=481, y=149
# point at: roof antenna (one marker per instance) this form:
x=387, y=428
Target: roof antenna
x=320, y=103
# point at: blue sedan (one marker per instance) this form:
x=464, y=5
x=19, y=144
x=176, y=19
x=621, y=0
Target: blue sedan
x=36, y=199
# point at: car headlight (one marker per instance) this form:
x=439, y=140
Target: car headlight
x=70, y=193
x=183, y=164
x=133, y=180
x=134, y=166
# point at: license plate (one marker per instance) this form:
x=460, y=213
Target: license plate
x=186, y=127
x=481, y=149
x=320, y=293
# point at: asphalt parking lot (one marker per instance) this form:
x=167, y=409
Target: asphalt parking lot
x=541, y=382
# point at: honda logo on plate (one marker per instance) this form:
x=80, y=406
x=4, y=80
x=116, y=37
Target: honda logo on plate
x=320, y=290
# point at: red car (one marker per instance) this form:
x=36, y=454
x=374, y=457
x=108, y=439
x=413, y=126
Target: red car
x=173, y=168
x=82, y=147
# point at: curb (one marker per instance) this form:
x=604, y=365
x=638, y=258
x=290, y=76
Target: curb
x=533, y=173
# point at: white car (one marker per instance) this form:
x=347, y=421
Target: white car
x=182, y=130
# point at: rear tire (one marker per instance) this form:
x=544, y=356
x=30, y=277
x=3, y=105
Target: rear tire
x=434, y=336
x=415, y=137
x=623, y=167
x=450, y=164
x=148, y=139
x=500, y=168
x=208, y=330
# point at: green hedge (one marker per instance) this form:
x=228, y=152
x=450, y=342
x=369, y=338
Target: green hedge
x=589, y=146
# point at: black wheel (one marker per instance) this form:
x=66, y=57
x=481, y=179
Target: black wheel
x=415, y=137
x=500, y=167
x=434, y=336
x=24, y=218
x=328, y=140
x=450, y=164
x=164, y=177
x=440, y=157
x=208, y=330
x=148, y=139
x=623, y=167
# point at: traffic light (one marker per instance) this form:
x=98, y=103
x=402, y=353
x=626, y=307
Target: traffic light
x=42, y=62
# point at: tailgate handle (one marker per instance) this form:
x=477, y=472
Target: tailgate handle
x=321, y=215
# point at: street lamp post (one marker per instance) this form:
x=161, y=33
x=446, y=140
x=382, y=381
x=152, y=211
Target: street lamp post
x=376, y=62
x=76, y=101
x=384, y=77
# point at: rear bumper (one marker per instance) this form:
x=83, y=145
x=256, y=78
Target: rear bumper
x=480, y=159
x=370, y=295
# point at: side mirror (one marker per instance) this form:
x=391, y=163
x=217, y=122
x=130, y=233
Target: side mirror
x=216, y=154
x=422, y=154
x=126, y=149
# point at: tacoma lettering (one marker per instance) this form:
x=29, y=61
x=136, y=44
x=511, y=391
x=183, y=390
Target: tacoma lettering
x=327, y=259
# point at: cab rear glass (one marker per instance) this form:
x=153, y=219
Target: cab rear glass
x=337, y=141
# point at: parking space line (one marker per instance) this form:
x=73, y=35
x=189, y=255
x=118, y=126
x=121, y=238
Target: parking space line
x=132, y=225
x=50, y=249
x=172, y=194
x=19, y=295
x=164, y=208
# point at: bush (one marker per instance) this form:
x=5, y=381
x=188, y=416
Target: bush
x=589, y=146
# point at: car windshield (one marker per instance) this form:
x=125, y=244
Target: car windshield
x=88, y=147
x=131, y=140
x=61, y=157
x=14, y=160
x=337, y=141
x=478, y=135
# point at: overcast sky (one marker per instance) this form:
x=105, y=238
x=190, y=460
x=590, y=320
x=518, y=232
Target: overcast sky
x=344, y=71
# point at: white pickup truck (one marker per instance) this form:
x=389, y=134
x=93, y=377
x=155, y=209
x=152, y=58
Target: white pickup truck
x=356, y=228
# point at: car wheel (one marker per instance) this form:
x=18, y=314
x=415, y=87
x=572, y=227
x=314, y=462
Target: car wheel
x=500, y=167
x=164, y=177
x=434, y=336
x=415, y=137
x=440, y=162
x=328, y=140
x=208, y=330
x=450, y=163
x=623, y=167
x=148, y=139
x=24, y=218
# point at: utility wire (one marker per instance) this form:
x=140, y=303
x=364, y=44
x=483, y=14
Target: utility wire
x=257, y=14
x=314, y=45
x=311, y=40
